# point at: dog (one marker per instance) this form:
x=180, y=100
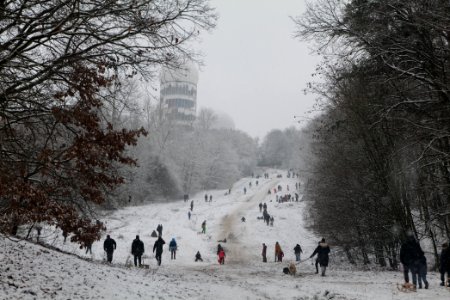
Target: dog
x=292, y=269
x=406, y=287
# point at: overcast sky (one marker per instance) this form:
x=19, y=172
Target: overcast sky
x=255, y=70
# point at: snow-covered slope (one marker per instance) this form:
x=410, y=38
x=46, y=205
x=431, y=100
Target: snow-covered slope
x=29, y=271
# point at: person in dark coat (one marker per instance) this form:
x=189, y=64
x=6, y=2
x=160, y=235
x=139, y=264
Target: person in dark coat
x=219, y=247
x=189, y=215
x=206, y=197
x=158, y=246
x=204, y=227
x=173, y=249
x=421, y=266
x=297, y=251
x=137, y=249
x=410, y=254
x=89, y=247
x=192, y=205
x=109, y=246
x=444, y=264
x=264, y=253
x=260, y=207
x=198, y=256
x=322, y=252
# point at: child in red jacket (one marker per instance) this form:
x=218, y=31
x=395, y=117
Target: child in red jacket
x=221, y=257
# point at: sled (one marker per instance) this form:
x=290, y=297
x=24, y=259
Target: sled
x=406, y=287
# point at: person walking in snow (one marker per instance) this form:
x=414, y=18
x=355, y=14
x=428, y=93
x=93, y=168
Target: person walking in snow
x=192, y=205
x=206, y=197
x=444, y=264
x=260, y=207
x=210, y=198
x=204, y=227
x=322, y=252
x=297, y=251
x=137, y=249
x=158, y=246
x=264, y=206
x=422, y=267
x=410, y=254
x=173, y=249
x=221, y=257
x=109, y=246
x=88, y=246
x=189, y=215
x=271, y=221
x=159, y=228
x=219, y=247
x=245, y=191
x=264, y=252
x=198, y=256
x=277, y=251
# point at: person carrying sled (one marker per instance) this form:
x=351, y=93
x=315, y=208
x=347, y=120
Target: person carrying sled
x=297, y=251
x=322, y=252
x=444, y=264
x=264, y=253
x=410, y=255
x=204, y=227
x=221, y=257
x=173, y=249
x=137, y=249
x=198, y=256
x=109, y=246
x=158, y=246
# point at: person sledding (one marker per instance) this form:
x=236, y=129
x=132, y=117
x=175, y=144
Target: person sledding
x=322, y=252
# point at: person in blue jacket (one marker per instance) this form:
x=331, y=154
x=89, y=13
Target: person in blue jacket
x=173, y=249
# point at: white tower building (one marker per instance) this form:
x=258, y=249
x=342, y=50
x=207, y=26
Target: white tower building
x=178, y=94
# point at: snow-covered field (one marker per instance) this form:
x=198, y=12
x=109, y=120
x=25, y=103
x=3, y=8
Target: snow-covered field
x=30, y=271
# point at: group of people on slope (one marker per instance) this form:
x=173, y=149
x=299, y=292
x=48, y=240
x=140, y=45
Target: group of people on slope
x=322, y=251
x=138, y=249
x=413, y=260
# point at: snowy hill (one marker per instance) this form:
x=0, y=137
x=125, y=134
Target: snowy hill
x=30, y=271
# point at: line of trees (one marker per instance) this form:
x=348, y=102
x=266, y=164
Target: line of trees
x=175, y=160
x=62, y=63
x=382, y=145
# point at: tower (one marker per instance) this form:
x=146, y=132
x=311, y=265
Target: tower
x=178, y=94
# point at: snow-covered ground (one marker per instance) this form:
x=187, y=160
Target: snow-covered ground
x=30, y=271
